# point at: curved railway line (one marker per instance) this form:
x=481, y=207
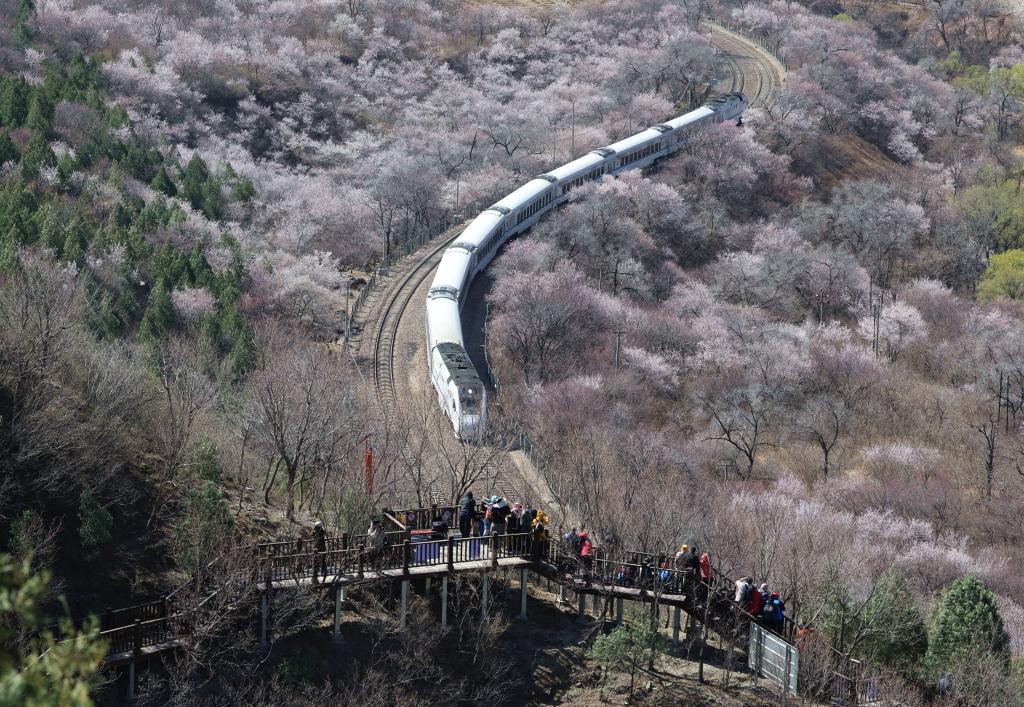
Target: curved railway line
x=398, y=326
x=385, y=337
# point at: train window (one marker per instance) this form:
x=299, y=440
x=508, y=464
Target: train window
x=469, y=399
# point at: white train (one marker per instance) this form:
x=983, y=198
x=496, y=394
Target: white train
x=460, y=392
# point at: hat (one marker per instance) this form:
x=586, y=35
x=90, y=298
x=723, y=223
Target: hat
x=583, y=533
x=764, y=587
x=469, y=493
x=775, y=595
x=318, y=524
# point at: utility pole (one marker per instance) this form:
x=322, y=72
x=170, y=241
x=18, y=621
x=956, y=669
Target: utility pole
x=572, y=154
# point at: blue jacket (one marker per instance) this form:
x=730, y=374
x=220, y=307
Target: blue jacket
x=467, y=506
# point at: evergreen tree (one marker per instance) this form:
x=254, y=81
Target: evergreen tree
x=22, y=32
x=163, y=184
x=73, y=250
x=51, y=235
x=895, y=632
x=212, y=200
x=38, y=154
x=204, y=526
x=169, y=266
x=39, y=114
x=159, y=316
x=18, y=206
x=95, y=524
x=9, y=250
x=965, y=622
x=14, y=102
x=39, y=670
x=193, y=179
x=8, y=151
x=202, y=273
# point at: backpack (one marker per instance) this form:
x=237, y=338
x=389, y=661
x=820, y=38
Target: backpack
x=745, y=594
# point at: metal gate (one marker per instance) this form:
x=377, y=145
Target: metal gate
x=772, y=658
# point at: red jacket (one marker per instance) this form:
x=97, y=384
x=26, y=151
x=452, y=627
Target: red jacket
x=586, y=549
x=755, y=602
x=705, y=567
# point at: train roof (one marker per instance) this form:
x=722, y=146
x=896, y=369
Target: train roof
x=480, y=228
x=451, y=271
x=634, y=141
x=443, y=319
x=691, y=117
x=460, y=368
x=580, y=165
x=524, y=194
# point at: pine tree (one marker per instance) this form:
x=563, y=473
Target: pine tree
x=8, y=151
x=36, y=669
x=163, y=184
x=95, y=524
x=14, y=102
x=38, y=153
x=159, y=316
x=895, y=629
x=193, y=179
x=202, y=273
x=9, y=251
x=18, y=205
x=51, y=235
x=966, y=621
x=213, y=201
x=39, y=114
x=22, y=32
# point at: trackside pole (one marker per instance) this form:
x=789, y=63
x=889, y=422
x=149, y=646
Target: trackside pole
x=405, y=604
x=263, y=620
x=444, y=601
x=337, y=612
x=522, y=594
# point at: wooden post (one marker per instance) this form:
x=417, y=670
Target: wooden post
x=444, y=602
x=522, y=594
x=405, y=604
x=428, y=585
x=618, y=611
x=136, y=652
x=451, y=554
x=338, y=598
x=675, y=626
x=494, y=551
x=362, y=561
x=582, y=607
x=406, y=555
x=596, y=605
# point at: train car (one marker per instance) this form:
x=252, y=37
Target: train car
x=460, y=392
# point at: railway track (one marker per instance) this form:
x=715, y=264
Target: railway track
x=754, y=71
x=386, y=333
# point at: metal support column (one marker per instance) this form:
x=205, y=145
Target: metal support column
x=561, y=592
x=675, y=626
x=131, y=680
x=263, y=620
x=337, y=612
x=618, y=611
x=444, y=601
x=522, y=594
x=405, y=604
x=583, y=606
x=485, y=593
